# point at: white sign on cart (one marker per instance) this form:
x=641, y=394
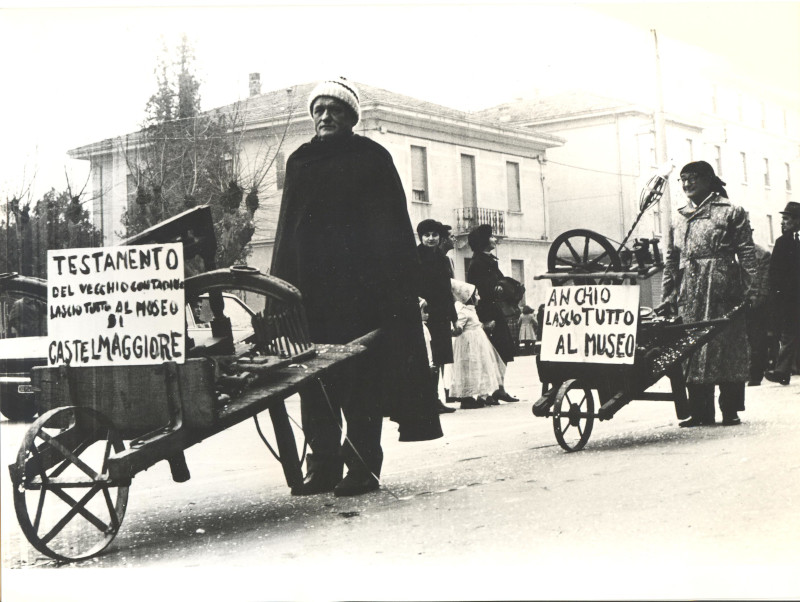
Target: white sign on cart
x=115, y=306
x=590, y=324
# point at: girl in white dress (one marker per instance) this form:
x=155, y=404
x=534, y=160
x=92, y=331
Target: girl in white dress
x=478, y=369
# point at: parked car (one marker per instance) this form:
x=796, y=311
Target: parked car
x=198, y=320
x=23, y=345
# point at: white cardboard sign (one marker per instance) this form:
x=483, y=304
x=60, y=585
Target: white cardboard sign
x=109, y=306
x=590, y=324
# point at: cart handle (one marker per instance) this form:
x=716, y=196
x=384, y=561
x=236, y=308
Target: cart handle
x=237, y=279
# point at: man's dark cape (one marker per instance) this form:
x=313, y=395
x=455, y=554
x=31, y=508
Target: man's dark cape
x=344, y=238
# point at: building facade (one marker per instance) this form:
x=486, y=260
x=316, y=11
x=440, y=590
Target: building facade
x=454, y=167
x=751, y=138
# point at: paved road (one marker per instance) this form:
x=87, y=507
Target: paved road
x=494, y=510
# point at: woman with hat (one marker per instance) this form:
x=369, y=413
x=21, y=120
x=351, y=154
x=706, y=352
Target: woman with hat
x=485, y=274
x=710, y=269
x=784, y=280
x=434, y=283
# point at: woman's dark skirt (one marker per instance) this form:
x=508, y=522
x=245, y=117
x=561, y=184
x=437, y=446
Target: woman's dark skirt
x=441, y=342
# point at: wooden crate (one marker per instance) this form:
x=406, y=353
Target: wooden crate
x=137, y=399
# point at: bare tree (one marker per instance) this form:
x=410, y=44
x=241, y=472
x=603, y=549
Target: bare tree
x=183, y=156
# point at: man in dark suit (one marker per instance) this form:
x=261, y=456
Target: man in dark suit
x=784, y=282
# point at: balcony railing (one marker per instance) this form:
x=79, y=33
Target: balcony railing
x=468, y=218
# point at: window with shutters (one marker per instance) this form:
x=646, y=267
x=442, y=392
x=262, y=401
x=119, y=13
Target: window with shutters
x=744, y=167
x=788, y=176
x=512, y=184
x=419, y=174
x=468, y=193
x=518, y=274
x=770, y=229
x=130, y=185
x=766, y=173
x=718, y=159
x=280, y=170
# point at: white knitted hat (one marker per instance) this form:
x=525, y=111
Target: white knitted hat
x=340, y=89
x=462, y=291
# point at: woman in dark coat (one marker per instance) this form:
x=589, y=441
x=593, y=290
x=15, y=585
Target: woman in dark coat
x=484, y=273
x=345, y=240
x=434, y=287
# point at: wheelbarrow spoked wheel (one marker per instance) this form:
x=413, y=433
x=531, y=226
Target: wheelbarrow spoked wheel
x=582, y=252
x=573, y=416
x=66, y=504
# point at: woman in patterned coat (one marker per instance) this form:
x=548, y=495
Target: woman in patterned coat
x=710, y=268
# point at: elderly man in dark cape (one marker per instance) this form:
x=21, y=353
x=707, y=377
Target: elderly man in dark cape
x=344, y=238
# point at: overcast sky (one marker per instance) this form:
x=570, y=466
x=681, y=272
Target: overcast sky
x=75, y=76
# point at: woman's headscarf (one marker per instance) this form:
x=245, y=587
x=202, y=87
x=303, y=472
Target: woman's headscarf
x=701, y=168
x=462, y=291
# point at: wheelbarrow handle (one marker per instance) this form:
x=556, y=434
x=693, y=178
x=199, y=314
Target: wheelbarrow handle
x=368, y=340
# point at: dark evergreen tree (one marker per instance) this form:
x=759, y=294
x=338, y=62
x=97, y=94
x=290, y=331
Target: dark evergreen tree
x=184, y=157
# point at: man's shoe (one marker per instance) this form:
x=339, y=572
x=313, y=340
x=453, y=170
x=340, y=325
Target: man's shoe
x=777, y=377
x=355, y=484
x=690, y=423
x=731, y=420
x=754, y=383
x=488, y=400
x=318, y=481
x=443, y=409
x=504, y=396
x=322, y=475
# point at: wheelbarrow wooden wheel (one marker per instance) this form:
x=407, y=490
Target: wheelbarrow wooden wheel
x=579, y=252
x=573, y=415
x=66, y=504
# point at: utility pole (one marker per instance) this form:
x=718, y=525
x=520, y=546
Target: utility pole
x=662, y=156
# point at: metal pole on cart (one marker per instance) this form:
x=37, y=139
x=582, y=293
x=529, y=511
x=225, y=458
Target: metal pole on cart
x=662, y=156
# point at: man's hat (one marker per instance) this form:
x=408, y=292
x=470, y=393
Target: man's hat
x=340, y=89
x=792, y=208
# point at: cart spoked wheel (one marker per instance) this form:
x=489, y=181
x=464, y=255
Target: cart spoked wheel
x=66, y=504
x=573, y=415
x=582, y=252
